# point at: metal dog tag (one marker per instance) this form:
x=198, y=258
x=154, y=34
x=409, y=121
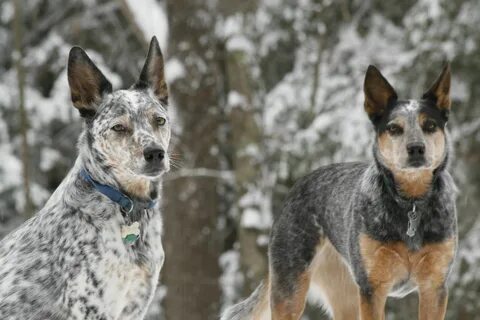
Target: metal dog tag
x=413, y=222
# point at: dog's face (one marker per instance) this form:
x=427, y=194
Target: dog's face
x=410, y=134
x=131, y=133
x=127, y=132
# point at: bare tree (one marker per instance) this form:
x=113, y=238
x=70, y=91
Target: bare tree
x=18, y=36
x=192, y=211
x=246, y=142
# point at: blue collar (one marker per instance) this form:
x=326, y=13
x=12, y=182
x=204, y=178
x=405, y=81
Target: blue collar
x=113, y=194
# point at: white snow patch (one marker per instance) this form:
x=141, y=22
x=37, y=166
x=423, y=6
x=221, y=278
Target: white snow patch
x=263, y=240
x=151, y=19
x=231, y=26
x=174, y=70
x=240, y=43
x=251, y=218
x=6, y=11
x=10, y=168
x=232, y=278
x=48, y=158
x=236, y=100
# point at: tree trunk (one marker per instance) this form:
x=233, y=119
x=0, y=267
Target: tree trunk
x=18, y=36
x=246, y=139
x=192, y=210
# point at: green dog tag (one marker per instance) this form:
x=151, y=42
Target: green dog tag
x=130, y=238
x=131, y=233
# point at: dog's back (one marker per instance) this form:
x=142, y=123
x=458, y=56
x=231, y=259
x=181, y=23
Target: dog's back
x=318, y=206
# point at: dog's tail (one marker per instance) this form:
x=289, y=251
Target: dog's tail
x=255, y=307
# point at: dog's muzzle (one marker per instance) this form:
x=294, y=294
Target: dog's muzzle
x=416, y=154
x=154, y=156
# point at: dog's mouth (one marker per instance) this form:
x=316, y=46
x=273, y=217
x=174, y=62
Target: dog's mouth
x=155, y=170
x=153, y=174
x=416, y=163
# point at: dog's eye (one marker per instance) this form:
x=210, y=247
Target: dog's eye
x=119, y=128
x=160, y=121
x=394, y=129
x=429, y=126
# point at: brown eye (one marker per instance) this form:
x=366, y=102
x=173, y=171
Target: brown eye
x=429, y=126
x=394, y=129
x=160, y=121
x=119, y=128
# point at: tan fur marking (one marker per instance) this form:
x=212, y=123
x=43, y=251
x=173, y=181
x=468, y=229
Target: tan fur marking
x=441, y=89
x=378, y=92
x=434, y=143
x=389, y=263
x=292, y=307
x=156, y=71
x=261, y=310
x=413, y=182
x=134, y=185
x=84, y=86
x=335, y=281
x=377, y=107
x=431, y=272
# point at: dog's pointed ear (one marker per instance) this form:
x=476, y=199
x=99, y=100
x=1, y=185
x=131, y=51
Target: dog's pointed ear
x=153, y=73
x=378, y=93
x=86, y=81
x=439, y=92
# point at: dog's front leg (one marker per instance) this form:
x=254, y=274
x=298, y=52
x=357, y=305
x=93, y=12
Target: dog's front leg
x=431, y=271
x=383, y=267
x=433, y=303
x=372, y=305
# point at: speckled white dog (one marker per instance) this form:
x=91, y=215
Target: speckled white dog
x=94, y=251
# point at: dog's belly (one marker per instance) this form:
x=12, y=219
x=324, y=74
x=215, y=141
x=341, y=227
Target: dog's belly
x=403, y=289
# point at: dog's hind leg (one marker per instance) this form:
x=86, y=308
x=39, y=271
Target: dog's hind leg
x=292, y=249
x=288, y=300
x=338, y=288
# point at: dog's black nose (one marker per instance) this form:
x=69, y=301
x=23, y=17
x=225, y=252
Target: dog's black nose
x=416, y=149
x=153, y=154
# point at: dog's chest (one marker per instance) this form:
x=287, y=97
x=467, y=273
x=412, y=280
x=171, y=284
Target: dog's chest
x=394, y=266
x=120, y=279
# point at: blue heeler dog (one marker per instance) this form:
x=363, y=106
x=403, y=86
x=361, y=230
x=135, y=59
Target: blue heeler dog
x=366, y=231
x=94, y=251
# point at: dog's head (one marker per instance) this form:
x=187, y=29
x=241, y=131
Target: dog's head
x=127, y=132
x=411, y=138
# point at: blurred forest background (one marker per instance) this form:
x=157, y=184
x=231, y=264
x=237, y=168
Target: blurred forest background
x=263, y=92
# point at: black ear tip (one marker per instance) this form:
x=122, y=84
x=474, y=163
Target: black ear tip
x=372, y=73
x=154, y=43
x=372, y=69
x=77, y=53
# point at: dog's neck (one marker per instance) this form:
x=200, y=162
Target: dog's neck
x=390, y=183
x=138, y=188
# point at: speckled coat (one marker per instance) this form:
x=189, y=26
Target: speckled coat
x=69, y=261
